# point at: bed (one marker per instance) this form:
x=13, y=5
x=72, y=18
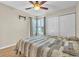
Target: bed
x=47, y=46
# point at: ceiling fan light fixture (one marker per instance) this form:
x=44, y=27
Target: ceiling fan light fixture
x=37, y=6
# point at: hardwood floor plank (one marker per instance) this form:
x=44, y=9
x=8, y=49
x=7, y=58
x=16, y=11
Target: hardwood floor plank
x=8, y=52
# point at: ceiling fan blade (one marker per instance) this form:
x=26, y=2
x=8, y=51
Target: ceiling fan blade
x=42, y=2
x=31, y=2
x=44, y=8
x=28, y=8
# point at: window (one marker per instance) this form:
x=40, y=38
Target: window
x=63, y=25
x=38, y=26
x=67, y=25
x=52, y=26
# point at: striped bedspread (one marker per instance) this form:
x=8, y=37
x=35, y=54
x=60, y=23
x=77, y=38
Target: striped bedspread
x=41, y=46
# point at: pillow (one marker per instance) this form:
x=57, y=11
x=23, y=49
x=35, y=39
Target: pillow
x=71, y=52
x=51, y=36
x=71, y=47
x=73, y=38
x=57, y=37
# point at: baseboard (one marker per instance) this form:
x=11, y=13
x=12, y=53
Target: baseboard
x=7, y=46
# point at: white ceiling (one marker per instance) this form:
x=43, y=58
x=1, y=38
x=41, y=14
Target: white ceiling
x=52, y=6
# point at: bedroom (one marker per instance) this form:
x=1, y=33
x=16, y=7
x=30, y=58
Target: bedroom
x=25, y=23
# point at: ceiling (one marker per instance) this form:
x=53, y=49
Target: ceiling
x=52, y=6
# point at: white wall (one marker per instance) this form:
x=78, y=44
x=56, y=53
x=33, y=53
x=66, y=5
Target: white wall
x=62, y=12
x=11, y=28
x=77, y=20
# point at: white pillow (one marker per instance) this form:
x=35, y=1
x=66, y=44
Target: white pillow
x=71, y=47
x=73, y=38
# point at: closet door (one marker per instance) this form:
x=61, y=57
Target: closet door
x=67, y=25
x=52, y=26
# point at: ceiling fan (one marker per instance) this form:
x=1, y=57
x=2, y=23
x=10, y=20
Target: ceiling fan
x=37, y=5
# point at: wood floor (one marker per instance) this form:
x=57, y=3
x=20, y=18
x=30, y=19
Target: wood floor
x=8, y=52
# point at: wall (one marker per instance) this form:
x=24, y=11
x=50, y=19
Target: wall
x=77, y=20
x=11, y=28
x=62, y=12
